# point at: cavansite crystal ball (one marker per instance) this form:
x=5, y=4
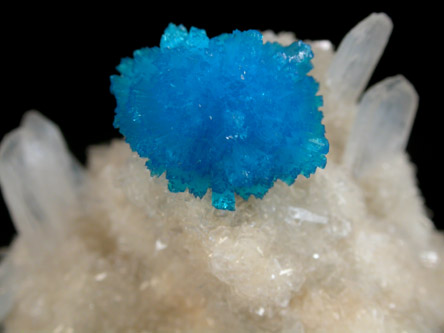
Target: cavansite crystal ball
x=109, y=248
x=230, y=113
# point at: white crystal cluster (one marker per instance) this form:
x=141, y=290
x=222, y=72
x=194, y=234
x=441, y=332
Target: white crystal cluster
x=110, y=249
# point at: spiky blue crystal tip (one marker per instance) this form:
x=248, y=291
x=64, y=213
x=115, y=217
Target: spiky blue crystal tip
x=230, y=113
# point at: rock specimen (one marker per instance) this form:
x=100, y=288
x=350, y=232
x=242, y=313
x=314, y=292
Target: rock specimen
x=108, y=248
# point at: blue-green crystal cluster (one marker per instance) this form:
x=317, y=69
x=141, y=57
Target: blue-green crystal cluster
x=230, y=113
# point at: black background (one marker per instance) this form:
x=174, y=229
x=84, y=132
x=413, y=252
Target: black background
x=58, y=61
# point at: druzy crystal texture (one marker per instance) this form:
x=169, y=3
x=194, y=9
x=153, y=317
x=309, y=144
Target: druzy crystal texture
x=231, y=113
x=107, y=248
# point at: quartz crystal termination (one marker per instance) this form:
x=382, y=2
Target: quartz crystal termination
x=230, y=113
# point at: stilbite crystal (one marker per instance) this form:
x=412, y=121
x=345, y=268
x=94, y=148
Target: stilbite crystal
x=382, y=126
x=348, y=73
x=40, y=179
x=332, y=253
x=357, y=56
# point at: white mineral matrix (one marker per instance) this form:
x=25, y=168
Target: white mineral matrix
x=108, y=248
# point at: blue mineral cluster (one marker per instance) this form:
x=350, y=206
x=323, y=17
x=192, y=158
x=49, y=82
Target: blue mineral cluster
x=230, y=113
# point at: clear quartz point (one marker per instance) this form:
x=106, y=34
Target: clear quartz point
x=382, y=125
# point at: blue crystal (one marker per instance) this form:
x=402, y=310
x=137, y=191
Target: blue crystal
x=230, y=113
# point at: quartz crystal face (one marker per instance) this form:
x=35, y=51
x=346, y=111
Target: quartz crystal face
x=108, y=248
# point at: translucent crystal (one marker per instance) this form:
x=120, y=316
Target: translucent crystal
x=357, y=56
x=208, y=112
x=382, y=125
x=39, y=179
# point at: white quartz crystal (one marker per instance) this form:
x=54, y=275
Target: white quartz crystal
x=350, y=249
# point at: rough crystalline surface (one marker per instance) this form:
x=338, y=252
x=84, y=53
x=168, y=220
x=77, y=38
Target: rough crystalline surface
x=209, y=112
x=108, y=248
